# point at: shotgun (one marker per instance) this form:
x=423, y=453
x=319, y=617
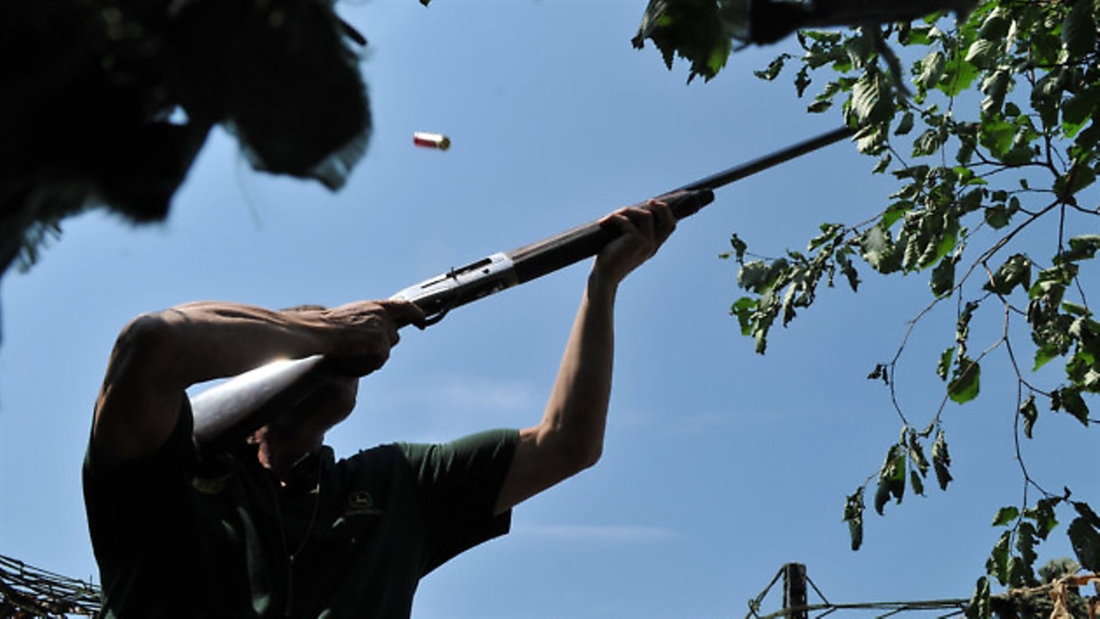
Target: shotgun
x=233, y=409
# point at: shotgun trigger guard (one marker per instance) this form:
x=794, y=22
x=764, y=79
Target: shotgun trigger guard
x=436, y=317
x=459, y=286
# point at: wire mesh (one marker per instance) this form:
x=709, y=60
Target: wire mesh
x=28, y=592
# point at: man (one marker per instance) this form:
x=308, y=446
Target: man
x=278, y=526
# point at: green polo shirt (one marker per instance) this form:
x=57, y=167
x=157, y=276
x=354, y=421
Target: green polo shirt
x=181, y=535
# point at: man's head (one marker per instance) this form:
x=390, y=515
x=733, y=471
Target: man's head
x=330, y=404
x=306, y=422
x=301, y=428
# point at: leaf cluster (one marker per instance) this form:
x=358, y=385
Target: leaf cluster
x=906, y=465
x=988, y=124
x=279, y=75
x=1022, y=157
x=691, y=29
x=784, y=285
x=1012, y=561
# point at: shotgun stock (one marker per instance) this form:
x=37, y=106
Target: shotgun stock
x=226, y=413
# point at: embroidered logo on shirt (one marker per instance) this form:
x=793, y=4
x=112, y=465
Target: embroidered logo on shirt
x=360, y=503
x=209, y=486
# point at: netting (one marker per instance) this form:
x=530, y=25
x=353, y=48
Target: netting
x=1060, y=599
x=27, y=592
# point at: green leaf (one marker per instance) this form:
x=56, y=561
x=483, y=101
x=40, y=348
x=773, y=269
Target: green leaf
x=1082, y=247
x=1000, y=215
x=1030, y=414
x=965, y=384
x=995, y=86
x=1088, y=139
x=1045, y=46
x=891, y=478
x=997, y=136
x=1079, y=29
x=1091, y=381
x=1078, y=177
x=883, y=164
x=1047, y=352
x=880, y=373
x=941, y=460
x=1070, y=400
x=744, y=308
x=995, y=26
x=775, y=67
x=931, y=70
x=692, y=30
x=983, y=53
x=916, y=455
x=739, y=248
x=802, y=81
x=928, y=143
x=1043, y=515
x=916, y=483
x=1016, y=271
x=853, y=515
x=998, y=563
x=1018, y=155
x=848, y=270
x=1006, y=516
x=872, y=98
x=1079, y=109
x=1026, y=540
x=878, y=250
x=996, y=216
x=979, y=605
x=1085, y=512
x=1046, y=96
x=905, y=125
x=1085, y=538
x=970, y=201
x=895, y=211
x=944, y=365
x=754, y=276
x=719, y=54
x=962, y=325
x=943, y=276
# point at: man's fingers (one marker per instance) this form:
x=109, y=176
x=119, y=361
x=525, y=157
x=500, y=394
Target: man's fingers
x=370, y=327
x=403, y=313
x=665, y=220
x=645, y=221
x=642, y=231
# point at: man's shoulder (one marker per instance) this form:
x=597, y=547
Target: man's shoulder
x=380, y=460
x=413, y=454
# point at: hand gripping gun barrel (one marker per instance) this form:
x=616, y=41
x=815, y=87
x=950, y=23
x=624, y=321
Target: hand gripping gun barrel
x=231, y=410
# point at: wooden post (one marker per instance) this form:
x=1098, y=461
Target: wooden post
x=794, y=590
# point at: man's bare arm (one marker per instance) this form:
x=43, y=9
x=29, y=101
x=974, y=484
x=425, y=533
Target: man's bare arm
x=158, y=355
x=569, y=438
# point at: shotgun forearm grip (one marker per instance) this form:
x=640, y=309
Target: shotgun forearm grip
x=546, y=256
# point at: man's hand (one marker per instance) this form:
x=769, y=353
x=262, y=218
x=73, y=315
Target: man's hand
x=643, y=230
x=363, y=332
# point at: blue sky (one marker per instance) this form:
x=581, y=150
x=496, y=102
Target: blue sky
x=720, y=465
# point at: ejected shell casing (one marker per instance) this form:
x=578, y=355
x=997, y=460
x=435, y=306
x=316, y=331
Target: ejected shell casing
x=431, y=140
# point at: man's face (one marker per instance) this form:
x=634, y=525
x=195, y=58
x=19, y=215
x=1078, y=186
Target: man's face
x=332, y=402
